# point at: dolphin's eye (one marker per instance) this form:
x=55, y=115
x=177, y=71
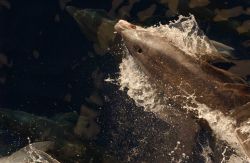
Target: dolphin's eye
x=138, y=49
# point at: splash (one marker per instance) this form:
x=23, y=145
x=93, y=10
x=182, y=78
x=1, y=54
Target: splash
x=185, y=34
x=223, y=128
x=35, y=155
x=140, y=89
x=144, y=95
x=32, y=153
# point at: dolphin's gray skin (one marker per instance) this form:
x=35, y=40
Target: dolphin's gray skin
x=180, y=75
x=96, y=26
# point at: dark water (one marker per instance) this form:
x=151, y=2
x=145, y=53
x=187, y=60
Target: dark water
x=48, y=60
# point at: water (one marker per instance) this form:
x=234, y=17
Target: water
x=184, y=33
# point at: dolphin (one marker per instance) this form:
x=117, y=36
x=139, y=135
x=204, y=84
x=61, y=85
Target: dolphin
x=181, y=76
x=35, y=152
x=91, y=23
x=96, y=26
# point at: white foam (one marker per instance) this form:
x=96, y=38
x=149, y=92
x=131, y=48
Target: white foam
x=139, y=88
x=185, y=34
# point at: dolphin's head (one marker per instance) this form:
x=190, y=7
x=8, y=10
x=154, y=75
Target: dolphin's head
x=141, y=44
x=135, y=39
x=156, y=55
x=95, y=25
x=91, y=22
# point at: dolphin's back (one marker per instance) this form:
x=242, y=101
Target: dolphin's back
x=186, y=76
